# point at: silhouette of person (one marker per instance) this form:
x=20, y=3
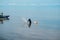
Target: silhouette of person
x=29, y=22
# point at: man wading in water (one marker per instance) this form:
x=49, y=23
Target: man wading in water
x=29, y=23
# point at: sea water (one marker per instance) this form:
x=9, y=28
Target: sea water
x=47, y=16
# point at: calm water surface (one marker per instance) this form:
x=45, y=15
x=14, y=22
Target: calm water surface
x=48, y=27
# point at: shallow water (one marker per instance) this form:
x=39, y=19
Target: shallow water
x=48, y=27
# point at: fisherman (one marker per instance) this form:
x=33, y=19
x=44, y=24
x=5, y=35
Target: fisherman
x=1, y=15
x=29, y=23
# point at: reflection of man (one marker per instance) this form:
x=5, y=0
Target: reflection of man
x=29, y=23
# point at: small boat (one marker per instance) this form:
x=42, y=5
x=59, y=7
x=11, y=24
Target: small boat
x=2, y=17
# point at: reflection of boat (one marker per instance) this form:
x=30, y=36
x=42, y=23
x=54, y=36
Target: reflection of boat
x=2, y=17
